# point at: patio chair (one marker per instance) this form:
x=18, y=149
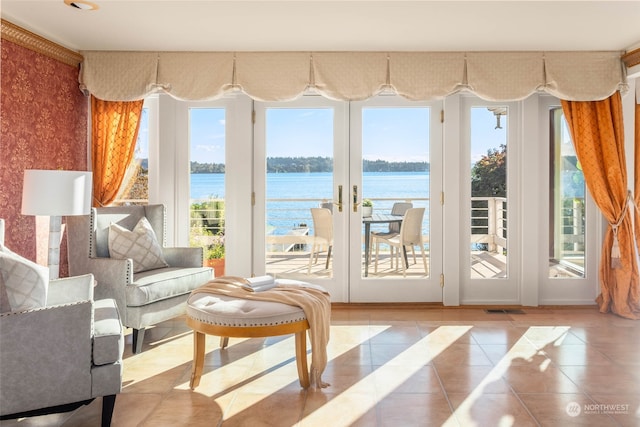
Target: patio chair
x=322, y=235
x=398, y=209
x=327, y=205
x=410, y=235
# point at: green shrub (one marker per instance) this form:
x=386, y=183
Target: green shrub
x=215, y=251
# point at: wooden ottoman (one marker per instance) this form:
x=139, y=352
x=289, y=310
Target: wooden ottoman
x=223, y=316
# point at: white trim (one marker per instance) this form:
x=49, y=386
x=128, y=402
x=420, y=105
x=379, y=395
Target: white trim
x=491, y=290
x=452, y=205
x=168, y=132
x=564, y=291
x=532, y=186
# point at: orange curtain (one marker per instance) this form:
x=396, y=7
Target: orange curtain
x=597, y=131
x=636, y=169
x=114, y=131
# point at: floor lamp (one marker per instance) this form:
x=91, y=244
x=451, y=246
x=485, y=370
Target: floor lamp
x=56, y=193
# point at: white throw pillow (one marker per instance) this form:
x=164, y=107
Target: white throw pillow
x=23, y=283
x=140, y=244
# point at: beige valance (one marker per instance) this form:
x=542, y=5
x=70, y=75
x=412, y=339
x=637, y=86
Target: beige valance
x=265, y=76
x=119, y=76
x=349, y=75
x=427, y=75
x=196, y=76
x=281, y=76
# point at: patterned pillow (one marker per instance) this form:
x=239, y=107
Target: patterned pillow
x=23, y=283
x=140, y=244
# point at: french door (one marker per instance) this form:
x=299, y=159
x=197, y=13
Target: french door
x=395, y=157
x=507, y=221
x=316, y=153
x=489, y=199
x=301, y=163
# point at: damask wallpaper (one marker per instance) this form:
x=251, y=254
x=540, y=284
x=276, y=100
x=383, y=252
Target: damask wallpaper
x=43, y=125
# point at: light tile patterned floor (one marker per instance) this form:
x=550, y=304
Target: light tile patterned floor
x=416, y=366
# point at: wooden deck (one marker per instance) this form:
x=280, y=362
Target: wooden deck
x=294, y=265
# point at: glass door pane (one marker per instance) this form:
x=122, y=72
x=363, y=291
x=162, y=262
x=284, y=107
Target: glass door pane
x=299, y=178
x=490, y=248
x=207, y=184
x=396, y=163
x=135, y=184
x=395, y=177
x=567, y=204
x=489, y=223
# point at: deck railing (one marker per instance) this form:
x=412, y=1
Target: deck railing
x=489, y=222
x=288, y=220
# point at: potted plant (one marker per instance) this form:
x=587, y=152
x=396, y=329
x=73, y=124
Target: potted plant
x=214, y=256
x=367, y=207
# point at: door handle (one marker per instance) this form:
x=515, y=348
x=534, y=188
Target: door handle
x=339, y=204
x=355, y=198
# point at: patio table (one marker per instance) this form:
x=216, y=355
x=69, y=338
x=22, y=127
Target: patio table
x=374, y=219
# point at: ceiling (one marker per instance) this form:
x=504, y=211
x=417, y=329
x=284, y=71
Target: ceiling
x=343, y=25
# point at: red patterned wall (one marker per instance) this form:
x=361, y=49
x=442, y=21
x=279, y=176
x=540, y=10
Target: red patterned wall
x=43, y=120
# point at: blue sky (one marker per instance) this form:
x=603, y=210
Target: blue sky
x=299, y=132
x=484, y=134
x=207, y=134
x=142, y=144
x=393, y=134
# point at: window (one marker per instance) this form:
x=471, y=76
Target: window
x=566, y=205
x=207, y=184
x=489, y=192
x=135, y=185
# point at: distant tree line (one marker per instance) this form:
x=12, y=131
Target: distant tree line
x=299, y=164
x=316, y=164
x=197, y=167
x=384, y=166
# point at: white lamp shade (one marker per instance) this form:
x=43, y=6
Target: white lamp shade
x=56, y=192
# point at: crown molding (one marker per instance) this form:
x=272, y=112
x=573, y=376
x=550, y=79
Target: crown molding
x=36, y=43
x=631, y=58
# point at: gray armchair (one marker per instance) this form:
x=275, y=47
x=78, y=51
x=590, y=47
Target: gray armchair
x=62, y=355
x=143, y=298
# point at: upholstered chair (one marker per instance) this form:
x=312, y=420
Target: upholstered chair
x=59, y=348
x=123, y=247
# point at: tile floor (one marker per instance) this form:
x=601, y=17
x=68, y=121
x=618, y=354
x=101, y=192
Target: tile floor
x=412, y=366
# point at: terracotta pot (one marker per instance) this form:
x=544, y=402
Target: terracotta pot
x=217, y=264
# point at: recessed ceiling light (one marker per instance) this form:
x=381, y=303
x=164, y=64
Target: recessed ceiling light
x=81, y=4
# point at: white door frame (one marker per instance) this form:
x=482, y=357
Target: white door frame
x=169, y=173
x=502, y=290
x=168, y=184
x=337, y=284
x=566, y=291
x=397, y=289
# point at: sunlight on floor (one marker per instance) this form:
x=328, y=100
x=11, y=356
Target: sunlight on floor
x=395, y=372
x=527, y=349
x=448, y=367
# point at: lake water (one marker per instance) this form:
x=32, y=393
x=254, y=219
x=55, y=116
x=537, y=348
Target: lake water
x=393, y=186
x=282, y=215
x=319, y=185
